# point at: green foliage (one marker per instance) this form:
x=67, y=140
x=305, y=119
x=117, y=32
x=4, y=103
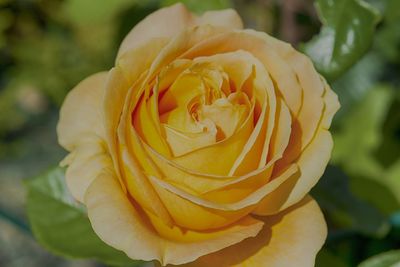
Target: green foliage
x=200, y=6
x=387, y=259
x=388, y=39
x=344, y=208
x=62, y=226
x=360, y=135
x=355, y=83
x=347, y=32
x=92, y=11
x=326, y=258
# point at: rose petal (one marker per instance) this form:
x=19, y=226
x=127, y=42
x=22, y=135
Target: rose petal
x=182, y=143
x=312, y=163
x=80, y=115
x=81, y=131
x=253, y=199
x=227, y=18
x=204, y=160
x=169, y=21
x=280, y=72
x=290, y=238
x=281, y=133
x=148, y=129
x=85, y=163
x=331, y=105
x=121, y=225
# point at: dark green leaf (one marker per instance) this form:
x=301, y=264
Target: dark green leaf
x=346, y=34
x=326, y=258
x=62, y=226
x=344, y=208
x=387, y=259
x=376, y=193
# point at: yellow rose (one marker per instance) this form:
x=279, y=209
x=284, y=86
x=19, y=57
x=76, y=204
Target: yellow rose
x=200, y=146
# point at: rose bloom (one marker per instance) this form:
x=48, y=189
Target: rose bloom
x=199, y=147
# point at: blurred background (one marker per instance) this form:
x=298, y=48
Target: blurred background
x=48, y=46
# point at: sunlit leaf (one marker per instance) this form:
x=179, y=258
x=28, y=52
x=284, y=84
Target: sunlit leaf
x=90, y=11
x=346, y=34
x=62, y=226
x=200, y=6
x=360, y=133
x=387, y=259
x=359, y=136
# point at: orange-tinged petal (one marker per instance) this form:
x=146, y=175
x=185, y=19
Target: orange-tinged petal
x=122, y=225
x=290, y=238
x=147, y=129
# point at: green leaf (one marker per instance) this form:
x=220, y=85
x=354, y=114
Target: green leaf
x=366, y=118
x=62, y=226
x=375, y=193
x=372, y=178
x=344, y=208
x=346, y=34
x=326, y=258
x=388, y=37
x=200, y=6
x=359, y=137
x=386, y=259
x=354, y=84
x=92, y=11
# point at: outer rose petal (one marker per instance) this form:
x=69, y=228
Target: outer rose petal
x=312, y=163
x=80, y=115
x=86, y=162
x=80, y=130
x=290, y=238
x=169, y=21
x=122, y=225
